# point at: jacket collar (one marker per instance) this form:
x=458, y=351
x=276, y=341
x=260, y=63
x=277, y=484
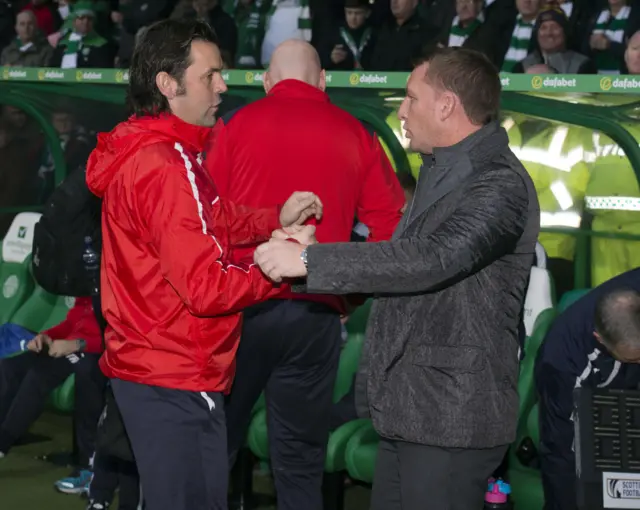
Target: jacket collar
x=480, y=145
x=189, y=135
x=299, y=90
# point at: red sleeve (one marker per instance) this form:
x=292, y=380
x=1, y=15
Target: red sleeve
x=62, y=330
x=250, y=226
x=381, y=197
x=190, y=233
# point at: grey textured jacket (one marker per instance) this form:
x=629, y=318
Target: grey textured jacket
x=441, y=356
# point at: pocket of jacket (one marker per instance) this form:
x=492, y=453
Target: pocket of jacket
x=462, y=359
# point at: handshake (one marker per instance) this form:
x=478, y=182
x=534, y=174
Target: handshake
x=280, y=257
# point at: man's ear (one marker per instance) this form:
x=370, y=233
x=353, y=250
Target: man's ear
x=266, y=83
x=167, y=86
x=448, y=103
x=322, y=82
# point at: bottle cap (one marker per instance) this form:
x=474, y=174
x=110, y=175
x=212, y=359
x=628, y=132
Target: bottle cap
x=495, y=496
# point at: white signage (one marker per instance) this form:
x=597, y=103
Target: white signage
x=620, y=490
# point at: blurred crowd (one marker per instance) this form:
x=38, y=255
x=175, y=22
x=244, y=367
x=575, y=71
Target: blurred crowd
x=538, y=36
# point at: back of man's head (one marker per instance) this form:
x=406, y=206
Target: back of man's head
x=471, y=76
x=617, y=319
x=295, y=60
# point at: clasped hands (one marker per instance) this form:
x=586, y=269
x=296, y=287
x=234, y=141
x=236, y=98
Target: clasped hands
x=55, y=348
x=281, y=257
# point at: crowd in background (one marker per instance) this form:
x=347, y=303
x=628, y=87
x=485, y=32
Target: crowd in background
x=541, y=36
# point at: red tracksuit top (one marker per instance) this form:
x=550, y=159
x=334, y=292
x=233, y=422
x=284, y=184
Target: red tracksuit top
x=295, y=139
x=79, y=324
x=170, y=294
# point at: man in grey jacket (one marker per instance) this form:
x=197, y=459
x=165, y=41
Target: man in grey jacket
x=441, y=360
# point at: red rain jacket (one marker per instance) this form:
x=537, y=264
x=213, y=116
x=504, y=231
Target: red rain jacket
x=170, y=293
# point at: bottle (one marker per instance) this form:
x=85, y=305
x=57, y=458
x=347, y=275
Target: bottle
x=497, y=495
x=91, y=265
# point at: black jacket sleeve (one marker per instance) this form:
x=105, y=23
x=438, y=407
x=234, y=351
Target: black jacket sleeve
x=485, y=226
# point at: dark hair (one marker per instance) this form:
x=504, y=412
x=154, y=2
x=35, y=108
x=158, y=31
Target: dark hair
x=165, y=46
x=407, y=181
x=471, y=76
x=617, y=316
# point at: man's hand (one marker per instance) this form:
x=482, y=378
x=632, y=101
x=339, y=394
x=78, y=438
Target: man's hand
x=299, y=207
x=539, y=69
x=599, y=42
x=38, y=342
x=62, y=348
x=280, y=259
x=338, y=54
x=304, y=234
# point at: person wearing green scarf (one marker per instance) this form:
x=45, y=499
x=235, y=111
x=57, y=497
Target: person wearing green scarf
x=251, y=18
x=81, y=46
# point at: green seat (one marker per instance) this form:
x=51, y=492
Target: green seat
x=357, y=322
x=361, y=452
x=42, y=310
x=570, y=297
x=257, y=438
x=525, y=481
x=62, y=399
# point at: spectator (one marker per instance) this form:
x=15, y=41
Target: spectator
x=82, y=46
x=27, y=49
x=401, y=39
x=170, y=352
x=26, y=380
x=290, y=345
x=76, y=146
x=250, y=17
x=287, y=19
x=593, y=344
x=518, y=42
x=607, y=34
x=578, y=14
x=224, y=26
x=348, y=45
x=550, y=54
x=47, y=16
x=632, y=54
x=469, y=29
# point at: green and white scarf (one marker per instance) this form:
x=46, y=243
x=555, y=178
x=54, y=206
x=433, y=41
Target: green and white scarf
x=459, y=34
x=304, y=20
x=613, y=29
x=356, y=49
x=251, y=24
x=519, y=46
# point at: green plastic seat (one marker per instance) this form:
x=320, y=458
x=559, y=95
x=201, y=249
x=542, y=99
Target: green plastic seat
x=570, y=297
x=257, y=437
x=62, y=399
x=357, y=322
x=361, y=452
x=42, y=310
x=526, y=482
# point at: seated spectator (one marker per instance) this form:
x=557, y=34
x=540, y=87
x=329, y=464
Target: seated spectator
x=47, y=16
x=632, y=54
x=250, y=18
x=402, y=39
x=517, y=43
x=578, y=14
x=595, y=343
x=82, y=46
x=607, y=34
x=223, y=25
x=26, y=380
x=28, y=49
x=550, y=54
x=287, y=19
x=469, y=28
x=348, y=45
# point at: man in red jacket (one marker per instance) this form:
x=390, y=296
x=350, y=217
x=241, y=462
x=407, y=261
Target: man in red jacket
x=295, y=138
x=171, y=293
x=26, y=380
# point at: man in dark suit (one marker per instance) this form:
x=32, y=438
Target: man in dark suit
x=441, y=359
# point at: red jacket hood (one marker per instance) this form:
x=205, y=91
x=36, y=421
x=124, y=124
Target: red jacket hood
x=133, y=134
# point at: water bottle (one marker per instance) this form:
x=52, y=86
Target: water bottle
x=497, y=495
x=91, y=265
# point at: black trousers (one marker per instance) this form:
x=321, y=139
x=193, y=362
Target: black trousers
x=108, y=475
x=180, y=445
x=291, y=350
x=417, y=477
x=27, y=380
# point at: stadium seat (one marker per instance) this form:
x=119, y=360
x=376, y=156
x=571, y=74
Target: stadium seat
x=361, y=452
x=42, y=310
x=525, y=481
x=15, y=276
x=568, y=298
